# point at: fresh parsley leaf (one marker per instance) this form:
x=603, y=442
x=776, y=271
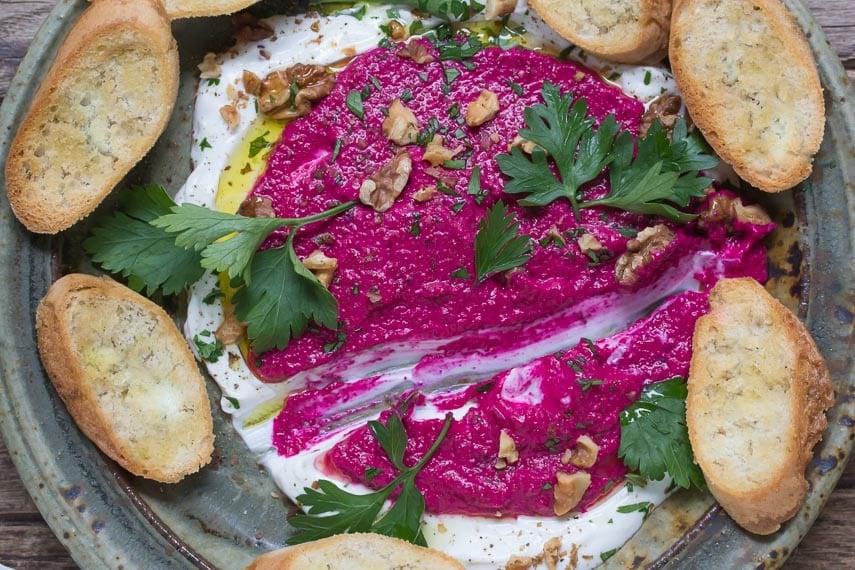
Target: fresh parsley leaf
x=282, y=299
x=330, y=510
x=663, y=174
x=498, y=245
x=654, y=438
x=126, y=244
x=227, y=241
x=659, y=178
x=578, y=151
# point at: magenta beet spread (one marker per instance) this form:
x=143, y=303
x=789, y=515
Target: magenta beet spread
x=405, y=278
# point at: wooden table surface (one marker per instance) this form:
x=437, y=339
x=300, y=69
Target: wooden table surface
x=26, y=542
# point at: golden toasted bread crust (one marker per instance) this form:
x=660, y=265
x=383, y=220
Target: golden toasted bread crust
x=750, y=83
x=106, y=98
x=126, y=375
x=195, y=8
x=361, y=550
x=626, y=31
x=758, y=391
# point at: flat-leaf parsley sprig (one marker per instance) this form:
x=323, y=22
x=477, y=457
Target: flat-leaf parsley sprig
x=330, y=510
x=156, y=243
x=654, y=439
x=662, y=174
x=498, y=245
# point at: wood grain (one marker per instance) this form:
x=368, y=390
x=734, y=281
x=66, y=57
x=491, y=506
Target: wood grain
x=26, y=542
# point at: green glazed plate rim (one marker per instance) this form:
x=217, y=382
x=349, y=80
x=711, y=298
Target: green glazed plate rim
x=108, y=519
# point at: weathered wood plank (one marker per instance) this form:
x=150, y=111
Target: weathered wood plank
x=26, y=542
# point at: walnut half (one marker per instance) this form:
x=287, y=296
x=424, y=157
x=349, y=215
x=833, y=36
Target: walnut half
x=381, y=190
x=584, y=454
x=400, y=126
x=639, y=252
x=289, y=93
x=482, y=109
x=322, y=266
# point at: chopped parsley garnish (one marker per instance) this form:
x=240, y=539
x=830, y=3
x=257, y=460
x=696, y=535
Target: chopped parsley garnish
x=156, y=244
x=406, y=95
x=643, y=507
x=330, y=510
x=210, y=350
x=647, y=77
x=473, y=188
x=662, y=175
x=461, y=273
x=258, y=144
x=371, y=473
x=498, y=245
x=354, y=103
x=586, y=383
x=335, y=151
x=455, y=164
x=213, y=296
x=515, y=87
x=340, y=338
x=457, y=51
x=415, y=227
x=608, y=554
x=654, y=439
x=213, y=81
x=450, y=74
x=233, y=401
x=204, y=144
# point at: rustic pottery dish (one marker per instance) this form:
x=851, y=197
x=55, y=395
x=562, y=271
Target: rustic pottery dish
x=230, y=512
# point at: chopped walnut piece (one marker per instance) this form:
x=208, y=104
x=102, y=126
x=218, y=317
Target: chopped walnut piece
x=666, y=108
x=257, y=207
x=507, y=450
x=231, y=330
x=209, y=67
x=516, y=562
x=727, y=209
x=584, y=455
x=374, y=294
x=397, y=31
x=230, y=115
x=482, y=109
x=554, y=234
x=525, y=145
x=425, y=194
x=497, y=8
x=248, y=28
x=587, y=242
x=322, y=266
x=416, y=51
x=569, y=491
x=552, y=552
x=288, y=94
x=436, y=153
x=400, y=126
x=381, y=190
x=639, y=252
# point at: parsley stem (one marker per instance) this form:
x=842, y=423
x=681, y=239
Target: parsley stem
x=334, y=211
x=412, y=471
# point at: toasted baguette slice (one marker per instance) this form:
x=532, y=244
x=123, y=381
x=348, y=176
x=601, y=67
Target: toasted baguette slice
x=126, y=376
x=758, y=391
x=352, y=551
x=626, y=31
x=102, y=105
x=750, y=83
x=194, y=8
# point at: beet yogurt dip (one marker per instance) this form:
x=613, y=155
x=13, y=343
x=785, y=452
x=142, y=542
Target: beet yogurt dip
x=405, y=277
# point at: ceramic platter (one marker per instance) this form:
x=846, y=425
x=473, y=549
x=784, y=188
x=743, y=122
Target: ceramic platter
x=229, y=513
